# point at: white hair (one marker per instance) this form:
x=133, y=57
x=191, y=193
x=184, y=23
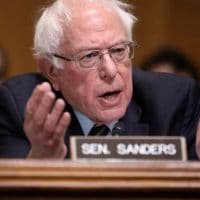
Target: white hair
x=50, y=28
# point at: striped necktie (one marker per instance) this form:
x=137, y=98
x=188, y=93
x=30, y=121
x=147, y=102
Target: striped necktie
x=101, y=130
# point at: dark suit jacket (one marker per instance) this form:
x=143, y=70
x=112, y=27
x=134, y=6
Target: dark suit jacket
x=162, y=104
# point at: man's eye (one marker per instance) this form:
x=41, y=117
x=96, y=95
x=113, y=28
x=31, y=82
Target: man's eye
x=90, y=56
x=118, y=50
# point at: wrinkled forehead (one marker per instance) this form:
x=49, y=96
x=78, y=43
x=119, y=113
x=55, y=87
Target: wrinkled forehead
x=95, y=17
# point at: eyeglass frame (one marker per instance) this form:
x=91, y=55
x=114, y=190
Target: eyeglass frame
x=130, y=44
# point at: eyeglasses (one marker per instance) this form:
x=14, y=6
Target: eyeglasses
x=90, y=59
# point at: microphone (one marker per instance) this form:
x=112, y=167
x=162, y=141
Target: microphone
x=118, y=129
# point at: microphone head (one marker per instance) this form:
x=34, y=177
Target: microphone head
x=118, y=129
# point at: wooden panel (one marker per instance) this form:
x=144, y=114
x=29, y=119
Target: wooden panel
x=185, y=28
x=161, y=22
x=98, y=180
x=17, y=18
x=168, y=23
x=152, y=28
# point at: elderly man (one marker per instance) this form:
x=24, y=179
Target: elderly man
x=84, y=50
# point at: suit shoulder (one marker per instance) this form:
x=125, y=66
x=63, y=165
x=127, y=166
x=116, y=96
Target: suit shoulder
x=23, y=84
x=162, y=88
x=162, y=82
x=29, y=79
x=20, y=87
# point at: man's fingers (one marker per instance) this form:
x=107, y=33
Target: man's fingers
x=37, y=109
x=36, y=97
x=62, y=127
x=44, y=108
x=58, y=136
x=53, y=118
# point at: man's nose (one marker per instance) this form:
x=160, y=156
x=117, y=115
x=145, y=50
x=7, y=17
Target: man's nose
x=108, y=68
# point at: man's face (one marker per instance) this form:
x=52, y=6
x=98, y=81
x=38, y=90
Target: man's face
x=104, y=93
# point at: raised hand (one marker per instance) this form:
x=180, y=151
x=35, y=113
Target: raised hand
x=45, y=123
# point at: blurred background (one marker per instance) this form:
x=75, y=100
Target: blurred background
x=174, y=23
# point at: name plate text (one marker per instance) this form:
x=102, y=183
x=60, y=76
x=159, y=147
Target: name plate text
x=131, y=148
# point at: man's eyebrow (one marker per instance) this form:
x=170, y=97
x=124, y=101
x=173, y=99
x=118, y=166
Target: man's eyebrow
x=88, y=49
x=81, y=49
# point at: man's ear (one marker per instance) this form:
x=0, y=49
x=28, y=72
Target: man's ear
x=49, y=71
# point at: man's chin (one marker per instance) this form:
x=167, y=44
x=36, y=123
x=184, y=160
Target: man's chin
x=110, y=116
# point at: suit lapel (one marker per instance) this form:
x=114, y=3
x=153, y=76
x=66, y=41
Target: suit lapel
x=74, y=127
x=132, y=123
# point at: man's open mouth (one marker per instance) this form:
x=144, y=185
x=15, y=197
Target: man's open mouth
x=110, y=95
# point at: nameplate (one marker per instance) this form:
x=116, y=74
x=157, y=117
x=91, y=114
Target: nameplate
x=129, y=148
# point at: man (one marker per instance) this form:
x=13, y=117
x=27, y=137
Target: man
x=84, y=50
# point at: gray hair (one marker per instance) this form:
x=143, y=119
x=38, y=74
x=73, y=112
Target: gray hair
x=49, y=30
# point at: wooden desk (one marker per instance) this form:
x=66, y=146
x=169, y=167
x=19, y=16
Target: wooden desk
x=44, y=179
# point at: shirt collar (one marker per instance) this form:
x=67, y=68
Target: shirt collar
x=87, y=124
